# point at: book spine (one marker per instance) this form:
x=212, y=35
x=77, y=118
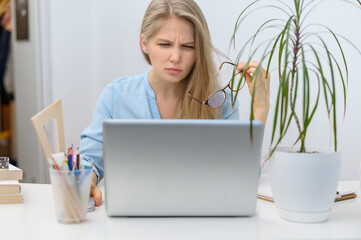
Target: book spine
x=9, y=189
x=5, y=175
x=6, y=199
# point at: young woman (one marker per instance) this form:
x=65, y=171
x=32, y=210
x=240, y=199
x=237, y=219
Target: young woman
x=175, y=41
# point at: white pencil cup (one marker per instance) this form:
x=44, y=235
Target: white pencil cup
x=71, y=191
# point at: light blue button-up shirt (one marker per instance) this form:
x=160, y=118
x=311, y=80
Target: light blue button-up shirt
x=127, y=98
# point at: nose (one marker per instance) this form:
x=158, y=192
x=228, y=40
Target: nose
x=175, y=55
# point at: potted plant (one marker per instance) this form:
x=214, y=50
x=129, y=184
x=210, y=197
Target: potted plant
x=304, y=179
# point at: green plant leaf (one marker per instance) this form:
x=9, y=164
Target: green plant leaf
x=260, y=29
x=275, y=118
x=296, y=69
x=281, y=35
x=238, y=21
x=333, y=95
x=323, y=79
x=318, y=3
x=297, y=8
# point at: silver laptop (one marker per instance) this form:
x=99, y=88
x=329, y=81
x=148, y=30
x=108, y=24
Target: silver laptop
x=181, y=167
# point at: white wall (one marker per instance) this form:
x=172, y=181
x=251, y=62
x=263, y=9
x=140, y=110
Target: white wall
x=28, y=94
x=85, y=44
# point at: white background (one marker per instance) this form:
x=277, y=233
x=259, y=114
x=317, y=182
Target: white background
x=77, y=47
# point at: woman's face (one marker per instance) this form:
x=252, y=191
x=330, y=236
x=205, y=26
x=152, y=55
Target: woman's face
x=171, y=50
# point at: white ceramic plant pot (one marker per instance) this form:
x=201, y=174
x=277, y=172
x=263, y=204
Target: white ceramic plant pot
x=304, y=185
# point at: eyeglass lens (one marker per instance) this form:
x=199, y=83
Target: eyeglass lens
x=236, y=83
x=217, y=99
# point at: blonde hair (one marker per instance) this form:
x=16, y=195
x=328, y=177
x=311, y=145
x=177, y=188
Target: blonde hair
x=202, y=80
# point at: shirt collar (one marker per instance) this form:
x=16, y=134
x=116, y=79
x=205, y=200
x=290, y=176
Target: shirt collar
x=148, y=88
x=151, y=97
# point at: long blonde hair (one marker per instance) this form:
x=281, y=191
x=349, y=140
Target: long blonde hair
x=202, y=80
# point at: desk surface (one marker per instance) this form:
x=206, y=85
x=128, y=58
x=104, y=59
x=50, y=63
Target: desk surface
x=35, y=219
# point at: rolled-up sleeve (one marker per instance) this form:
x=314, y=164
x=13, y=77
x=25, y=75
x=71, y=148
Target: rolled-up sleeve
x=91, y=145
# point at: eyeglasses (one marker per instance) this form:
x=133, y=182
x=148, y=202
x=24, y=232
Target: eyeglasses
x=218, y=98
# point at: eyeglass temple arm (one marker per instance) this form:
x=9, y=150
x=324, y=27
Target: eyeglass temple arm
x=195, y=98
x=220, y=67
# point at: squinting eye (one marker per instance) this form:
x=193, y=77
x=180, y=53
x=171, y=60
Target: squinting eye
x=188, y=46
x=164, y=44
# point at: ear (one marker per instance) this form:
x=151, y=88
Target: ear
x=143, y=44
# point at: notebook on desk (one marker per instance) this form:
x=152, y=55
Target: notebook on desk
x=181, y=167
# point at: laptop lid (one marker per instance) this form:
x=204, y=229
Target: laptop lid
x=181, y=167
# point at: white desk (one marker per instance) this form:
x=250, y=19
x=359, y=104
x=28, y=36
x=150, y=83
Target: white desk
x=35, y=219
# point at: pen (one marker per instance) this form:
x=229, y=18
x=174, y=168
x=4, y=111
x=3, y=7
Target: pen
x=265, y=198
x=345, y=195
x=72, y=156
x=70, y=160
x=56, y=165
x=65, y=165
x=77, y=159
x=88, y=169
x=339, y=196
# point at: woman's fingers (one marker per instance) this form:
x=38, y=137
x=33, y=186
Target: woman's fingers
x=261, y=98
x=94, y=190
x=251, y=69
x=242, y=65
x=96, y=194
x=262, y=83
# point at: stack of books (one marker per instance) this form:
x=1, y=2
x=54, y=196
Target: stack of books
x=10, y=190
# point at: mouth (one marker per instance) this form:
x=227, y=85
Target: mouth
x=173, y=71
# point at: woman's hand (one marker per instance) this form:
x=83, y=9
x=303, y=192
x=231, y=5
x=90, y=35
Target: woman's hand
x=94, y=190
x=262, y=91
